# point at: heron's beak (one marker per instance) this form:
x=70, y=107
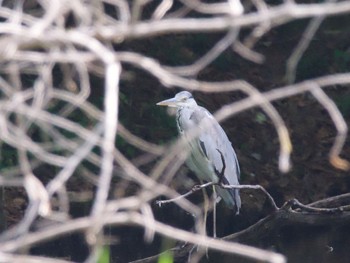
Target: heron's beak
x=170, y=103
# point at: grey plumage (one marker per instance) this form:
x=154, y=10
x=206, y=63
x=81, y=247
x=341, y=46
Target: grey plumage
x=212, y=157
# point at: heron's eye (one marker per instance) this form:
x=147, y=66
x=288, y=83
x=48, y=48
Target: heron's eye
x=184, y=99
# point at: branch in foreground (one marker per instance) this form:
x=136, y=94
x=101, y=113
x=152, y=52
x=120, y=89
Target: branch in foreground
x=137, y=219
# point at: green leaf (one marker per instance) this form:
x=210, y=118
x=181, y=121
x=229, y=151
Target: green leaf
x=260, y=118
x=104, y=255
x=166, y=257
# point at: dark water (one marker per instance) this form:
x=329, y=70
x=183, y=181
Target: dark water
x=299, y=243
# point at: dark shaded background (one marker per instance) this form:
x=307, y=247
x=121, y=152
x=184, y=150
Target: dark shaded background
x=254, y=138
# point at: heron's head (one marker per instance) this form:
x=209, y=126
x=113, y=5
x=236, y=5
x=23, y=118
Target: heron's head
x=181, y=99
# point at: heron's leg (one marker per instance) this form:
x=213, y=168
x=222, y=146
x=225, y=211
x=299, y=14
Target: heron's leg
x=206, y=207
x=215, y=196
x=206, y=211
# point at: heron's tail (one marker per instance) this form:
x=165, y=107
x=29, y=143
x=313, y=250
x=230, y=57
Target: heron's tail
x=231, y=197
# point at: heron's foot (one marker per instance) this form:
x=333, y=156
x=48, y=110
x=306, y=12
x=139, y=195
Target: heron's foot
x=222, y=184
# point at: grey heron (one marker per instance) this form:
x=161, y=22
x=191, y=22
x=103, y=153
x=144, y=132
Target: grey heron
x=212, y=157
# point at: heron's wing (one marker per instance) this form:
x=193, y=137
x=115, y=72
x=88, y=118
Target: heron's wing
x=216, y=147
